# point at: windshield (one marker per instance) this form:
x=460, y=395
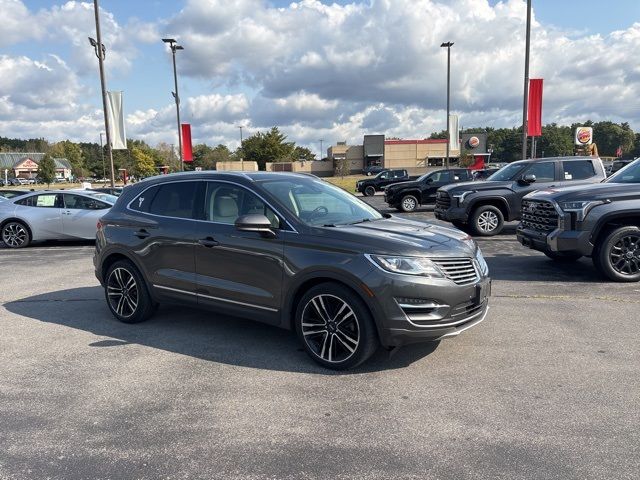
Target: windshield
x=628, y=174
x=318, y=203
x=507, y=172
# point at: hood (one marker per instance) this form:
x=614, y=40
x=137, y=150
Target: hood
x=594, y=191
x=399, y=185
x=399, y=236
x=476, y=186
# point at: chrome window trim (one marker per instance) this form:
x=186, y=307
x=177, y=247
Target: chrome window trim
x=127, y=207
x=235, y=302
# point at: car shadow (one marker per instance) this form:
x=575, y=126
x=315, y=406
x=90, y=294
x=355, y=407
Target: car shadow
x=201, y=334
x=538, y=268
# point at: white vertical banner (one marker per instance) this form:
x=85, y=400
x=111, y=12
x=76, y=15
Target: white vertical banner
x=454, y=141
x=115, y=111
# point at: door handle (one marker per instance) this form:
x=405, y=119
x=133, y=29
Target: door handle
x=142, y=233
x=66, y=212
x=208, y=242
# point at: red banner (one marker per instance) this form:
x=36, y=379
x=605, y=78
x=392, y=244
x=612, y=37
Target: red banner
x=534, y=115
x=187, y=152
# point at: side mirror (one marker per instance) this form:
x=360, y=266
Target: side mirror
x=255, y=222
x=528, y=178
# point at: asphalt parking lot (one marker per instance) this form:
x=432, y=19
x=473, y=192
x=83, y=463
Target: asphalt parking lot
x=546, y=387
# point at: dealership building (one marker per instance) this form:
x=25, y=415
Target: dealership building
x=416, y=156
x=25, y=165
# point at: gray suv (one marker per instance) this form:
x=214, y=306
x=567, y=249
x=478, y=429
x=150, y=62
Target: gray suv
x=292, y=251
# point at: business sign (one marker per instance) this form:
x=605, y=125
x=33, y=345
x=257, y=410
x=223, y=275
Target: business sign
x=584, y=136
x=28, y=163
x=474, y=142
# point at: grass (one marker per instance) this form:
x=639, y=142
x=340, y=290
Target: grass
x=348, y=182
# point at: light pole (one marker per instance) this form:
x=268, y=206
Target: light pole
x=525, y=103
x=448, y=46
x=321, y=140
x=104, y=173
x=241, y=152
x=174, y=46
x=101, y=53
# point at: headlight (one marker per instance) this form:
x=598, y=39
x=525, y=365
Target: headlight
x=407, y=265
x=580, y=208
x=461, y=196
x=484, y=268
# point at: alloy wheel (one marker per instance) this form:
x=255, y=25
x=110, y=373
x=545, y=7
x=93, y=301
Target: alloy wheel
x=408, y=204
x=14, y=235
x=330, y=328
x=122, y=292
x=488, y=221
x=625, y=255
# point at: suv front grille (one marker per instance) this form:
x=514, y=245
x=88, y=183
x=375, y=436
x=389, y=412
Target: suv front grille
x=443, y=201
x=460, y=270
x=539, y=215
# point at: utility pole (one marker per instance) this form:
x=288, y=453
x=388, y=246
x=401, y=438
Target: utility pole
x=525, y=103
x=101, y=53
x=104, y=172
x=321, y=140
x=241, y=151
x=174, y=46
x=448, y=46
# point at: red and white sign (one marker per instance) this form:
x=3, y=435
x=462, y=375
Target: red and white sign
x=28, y=163
x=474, y=142
x=584, y=135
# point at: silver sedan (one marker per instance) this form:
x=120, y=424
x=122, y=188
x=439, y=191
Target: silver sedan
x=49, y=215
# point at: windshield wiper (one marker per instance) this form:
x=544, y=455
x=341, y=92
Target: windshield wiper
x=360, y=221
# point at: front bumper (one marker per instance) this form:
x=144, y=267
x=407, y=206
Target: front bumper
x=416, y=309
x=451, y=214
x=562, y=241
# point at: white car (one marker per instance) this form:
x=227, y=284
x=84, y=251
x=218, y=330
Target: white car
x=48, y=215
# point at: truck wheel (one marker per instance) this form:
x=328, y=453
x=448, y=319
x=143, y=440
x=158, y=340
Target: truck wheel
x=486, y=221
x=408, y=203
x=369, y=191
x=618, y=255
x=563, y=257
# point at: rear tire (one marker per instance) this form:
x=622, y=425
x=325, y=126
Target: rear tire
x=16, y=234
x=126, y=293
x=335, y=327
x=563, y=257
x=486, y=221
x=408, y=204
x=369, y=191
x=618, y=255
x=459, y=225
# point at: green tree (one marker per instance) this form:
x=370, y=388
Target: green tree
x=268, y=147
x=143, y=163
x=304, y=154
x=609, y=136
x=555, y=141
x=72, y=152
x=47, y=169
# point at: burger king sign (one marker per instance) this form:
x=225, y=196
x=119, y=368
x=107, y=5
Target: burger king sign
x=584, y=135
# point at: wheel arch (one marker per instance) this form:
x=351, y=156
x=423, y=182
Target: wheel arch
x=614, y=220
x=499, y=202
x=114, y=256
x=18, y=219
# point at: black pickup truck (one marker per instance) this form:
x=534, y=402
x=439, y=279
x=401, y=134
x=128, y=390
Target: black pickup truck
x=601, y=221
x=370, y=186
x=484, y=206
x=407, y=196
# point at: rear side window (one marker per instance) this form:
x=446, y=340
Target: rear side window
x=142, y=202
x=177, y=199
x=398, y=173
x=578, y=169
x=49, y=200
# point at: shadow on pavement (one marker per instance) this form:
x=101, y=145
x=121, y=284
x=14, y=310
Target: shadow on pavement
x=541, y=269
x=200, y=334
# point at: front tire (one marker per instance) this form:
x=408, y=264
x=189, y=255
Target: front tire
x=618, y=255
x=369, y=191
x=126, y=293
x=408, y=204
x=487, y=221
x=335, y=327
x=16, y=234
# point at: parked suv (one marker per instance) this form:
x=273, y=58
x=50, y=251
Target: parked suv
x=600, y=221
x=370, y=186
x=293, y=251
x=407, y=196
x=484, y=206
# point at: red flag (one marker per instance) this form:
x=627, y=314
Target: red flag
x=187, y=153
x=534, y=114
x=619, y=151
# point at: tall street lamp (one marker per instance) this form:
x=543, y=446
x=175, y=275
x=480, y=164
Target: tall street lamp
x=525, y=103
x=101, y=53
x=104, y=173
x=448, y=46
x=174, y=46
x=241, y=152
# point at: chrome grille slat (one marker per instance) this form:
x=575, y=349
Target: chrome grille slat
x=539, y=215
x=461, y=271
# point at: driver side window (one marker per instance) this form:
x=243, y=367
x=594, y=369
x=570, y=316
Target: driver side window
x=224, y=203
x=544, y=172
x=384, y=175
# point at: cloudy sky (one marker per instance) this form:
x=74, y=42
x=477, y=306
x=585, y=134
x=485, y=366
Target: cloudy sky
x=331, y=70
